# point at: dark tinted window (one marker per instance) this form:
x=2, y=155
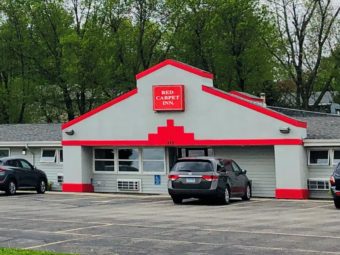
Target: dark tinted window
x=227, y=166
x=103, y=154
x=336, y=158
x=318, y=157
x=193, y=166
x=13, y=162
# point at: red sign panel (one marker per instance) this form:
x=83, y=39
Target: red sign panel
x=168, y=97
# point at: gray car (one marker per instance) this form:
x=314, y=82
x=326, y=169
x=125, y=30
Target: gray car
x=208, y=177
x=18, y=173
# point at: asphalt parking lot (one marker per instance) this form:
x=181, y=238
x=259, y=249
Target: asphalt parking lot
x=126, y=224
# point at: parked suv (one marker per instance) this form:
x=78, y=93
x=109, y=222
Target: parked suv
x=335, y=186
x=17, y=173
x=204, y=177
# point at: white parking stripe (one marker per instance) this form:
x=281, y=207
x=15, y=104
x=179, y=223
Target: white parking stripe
x=75, y=229
x=49, y=244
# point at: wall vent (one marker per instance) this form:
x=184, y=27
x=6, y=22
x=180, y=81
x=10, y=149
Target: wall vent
x=318, y=184
x=129, y=185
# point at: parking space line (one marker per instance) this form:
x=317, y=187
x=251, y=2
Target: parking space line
x=169, y=241
x=51, y=220
x=75, y=229
x=49, y=244
x=100, y=224
x=86, y=236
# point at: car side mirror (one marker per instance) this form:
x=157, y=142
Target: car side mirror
x=244, y=172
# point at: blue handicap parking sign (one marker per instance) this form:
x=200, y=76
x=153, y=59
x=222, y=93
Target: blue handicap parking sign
x=157, y=180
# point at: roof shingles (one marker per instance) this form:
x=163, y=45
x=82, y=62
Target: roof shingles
x=30, y=132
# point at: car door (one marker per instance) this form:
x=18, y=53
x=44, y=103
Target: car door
x=231, y=176
x=240, y=178
x=17, y=171
x=223, y=178
x=31, y=176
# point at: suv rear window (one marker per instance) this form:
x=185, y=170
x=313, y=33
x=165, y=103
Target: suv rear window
x=337, y=170
x=193, y=166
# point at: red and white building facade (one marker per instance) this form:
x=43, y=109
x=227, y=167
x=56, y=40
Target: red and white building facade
x=130, y=143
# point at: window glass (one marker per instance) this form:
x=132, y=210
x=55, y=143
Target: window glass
x=25, y=164
x=104, y=153
x=227, y=166
x=4, y=153
x=337, y=170
x=153, y=153
x=61, y=156
x=193, y=166
x=128, y=166
x=128, y=154
x=236, y=167
x=128, y=160
x=318, y=157
x=104, y=160
x=153, y=166
x=104, y=165
x=336, y=158
x=48, y=155
x=13, y=163
x=153, y=160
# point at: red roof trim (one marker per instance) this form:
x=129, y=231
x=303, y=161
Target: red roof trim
x=225, y=142
x=254, y=107
x=240, y=94
x=177, y=64
x=100, y=108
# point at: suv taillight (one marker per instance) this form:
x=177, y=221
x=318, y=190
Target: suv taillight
x=209, y=178
x=332, y=180
x=173, y=177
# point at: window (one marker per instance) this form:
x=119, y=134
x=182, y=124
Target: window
x=227, y=166
x=48, y=156
x=336, y=157
x=153, y=160
x=193, y=166
x=104, y=160
x=236, y=168
x=61, y=156
x=319, y=157
x=13, y=163
x=128, y=160
x=4, y=153
x=25, y=164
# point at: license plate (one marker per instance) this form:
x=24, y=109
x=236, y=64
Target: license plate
x=190, y=180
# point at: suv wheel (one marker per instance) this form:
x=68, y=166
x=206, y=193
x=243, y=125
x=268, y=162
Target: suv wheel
x=226, y=196
x=247, y=194
x=11, y=188
x=337, y=202
x=41, y=187
x=177, y=200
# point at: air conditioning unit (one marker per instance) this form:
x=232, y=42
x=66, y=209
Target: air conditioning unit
x=129, y=185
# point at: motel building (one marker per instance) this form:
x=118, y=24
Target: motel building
x=130, y=143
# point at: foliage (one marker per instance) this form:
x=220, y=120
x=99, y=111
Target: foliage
x=62, y=58
x=8, y=251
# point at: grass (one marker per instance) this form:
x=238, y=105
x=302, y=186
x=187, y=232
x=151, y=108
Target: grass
x=9, y=251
